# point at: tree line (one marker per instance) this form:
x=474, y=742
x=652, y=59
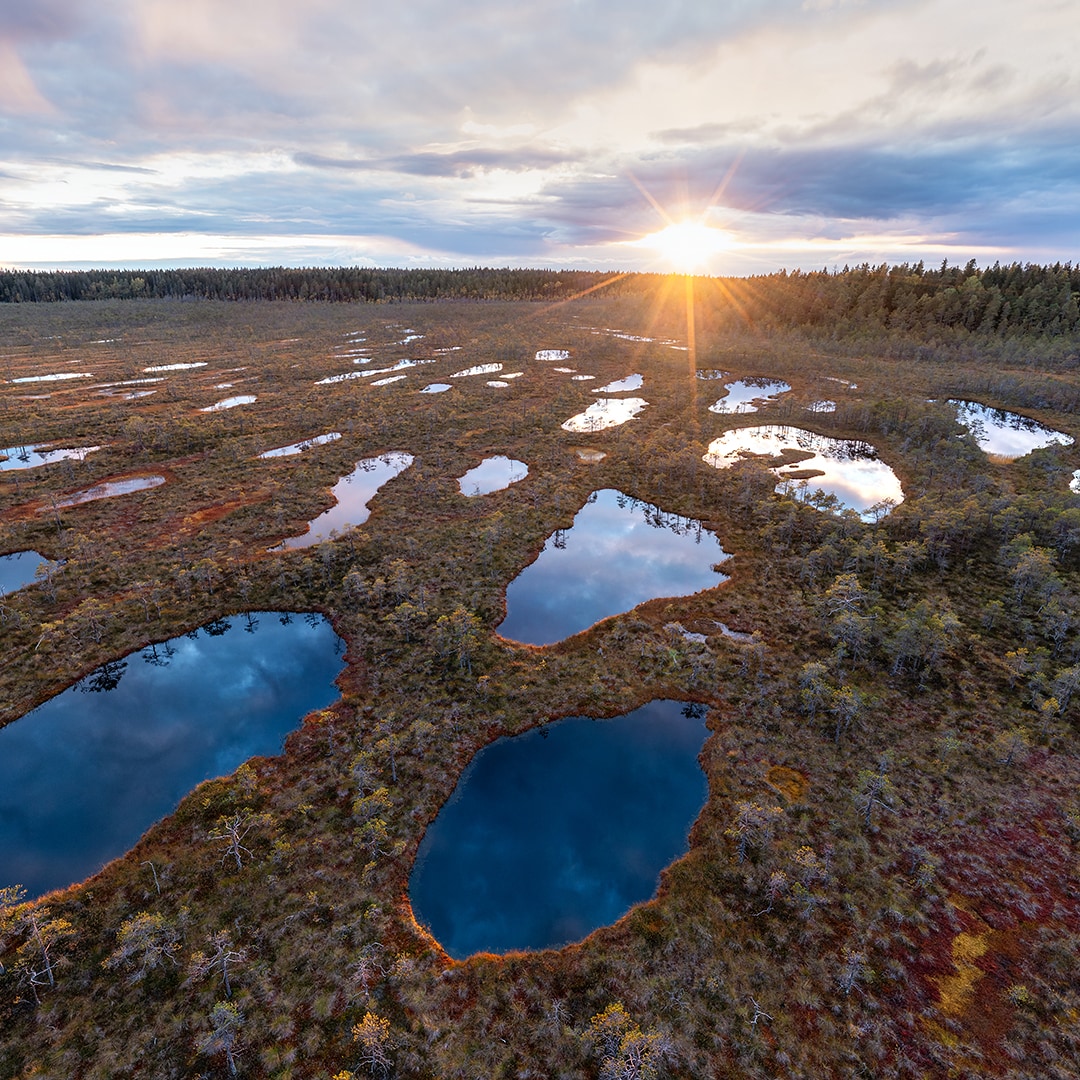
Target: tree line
x=1001, y=300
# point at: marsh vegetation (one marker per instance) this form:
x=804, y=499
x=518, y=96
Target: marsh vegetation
x=882, y=878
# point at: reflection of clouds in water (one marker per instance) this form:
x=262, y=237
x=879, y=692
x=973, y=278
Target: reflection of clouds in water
x=605, y=413
x=746, y=395
x=1006, y=434
x=84, y=774
x=553, y=833
x=617, y=554
x=847, y=468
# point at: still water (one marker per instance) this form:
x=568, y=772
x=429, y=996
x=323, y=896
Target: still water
x=617, y=554
x=18, y=570
x=492, y=474
x=1004, y=434
x=747, y=395
x=556, y=832
x=846, y=468
x=353, y=493
x=84, y=776
x=30, y=456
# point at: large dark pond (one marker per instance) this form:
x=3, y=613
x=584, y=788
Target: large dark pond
x=556, y=832
x=84, y=776
x=618, y=553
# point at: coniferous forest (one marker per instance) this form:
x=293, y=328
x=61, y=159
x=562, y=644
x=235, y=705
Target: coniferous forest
x=884, y=878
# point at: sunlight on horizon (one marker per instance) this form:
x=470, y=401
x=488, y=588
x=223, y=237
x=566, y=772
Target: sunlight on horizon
x=687, y=246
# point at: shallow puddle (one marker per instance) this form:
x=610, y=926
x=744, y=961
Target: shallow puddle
x=230, y=403
x=631, y=382
x=617, y=554
x=107, y=490
x=353, y=493
x=1006, y=435
x=83, y=776
x=60, y=376
x=300, y=447
x=554, y=833
x=477, y=369
x=31, y=456
x=848, y=469
x=492, y=474
x=18, y=570
x=748, y=395
x=605, y=413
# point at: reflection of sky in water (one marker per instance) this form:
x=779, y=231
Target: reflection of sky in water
x=230, y=403
x=631, y=382
x=493, y=474
x=1074, y=483
x=60, y=376
x=108, y=490
x=300, y=447
x=556, y=832
x=618, y=554
x=83, y=776
x=850, y=470
x=31, y=455
x=552, y=354
x=436, y=388
x=741, y=395
x=605, y=413
x=477, y=369
x=17, y=570
x=1006, y=434
x=352, y=493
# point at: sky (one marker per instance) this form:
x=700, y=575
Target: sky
x=552, y=133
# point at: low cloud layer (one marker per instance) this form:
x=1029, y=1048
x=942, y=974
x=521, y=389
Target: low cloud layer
x=558, y=134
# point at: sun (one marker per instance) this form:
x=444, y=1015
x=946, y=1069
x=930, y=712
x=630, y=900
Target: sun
x=687, y=246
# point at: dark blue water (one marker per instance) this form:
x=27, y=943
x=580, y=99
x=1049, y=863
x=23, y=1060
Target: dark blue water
x=84, y=776
x=556, y=832
x=18, y=570
x=618, y=554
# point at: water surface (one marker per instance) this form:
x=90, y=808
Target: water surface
x=436, y=388
x=845, y=468
x=492, y=474
x=554, y=833
x=60, y=376
x=605, y=413
x=748, y=395
x=30, y=456
x=107, y=490
x=83, y=776
x=631, y=382
x=18, y=570
x=353, y=493
x=230, y=403
x=1006, y=435
x=477, y=369
x=617, y=554
x=300, y=447
x=552, y=354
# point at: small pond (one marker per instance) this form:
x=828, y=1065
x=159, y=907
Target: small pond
x=29, y=457
x=83, y=776
x=605, y=413
x=748, y=395
x=846, y=468
x=1006, y=435
x=352, y=492
x=556, y=832
x=178, y=367
x=1074, y=483
x=107, y=490
x=436, y=388
x=18, y=570
x=477, y=369
x=59, y=376
x=631, y=382
x=552, y=354
x=300, y=447
x=492, y=474
x=617, y=554
x=230, y=403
